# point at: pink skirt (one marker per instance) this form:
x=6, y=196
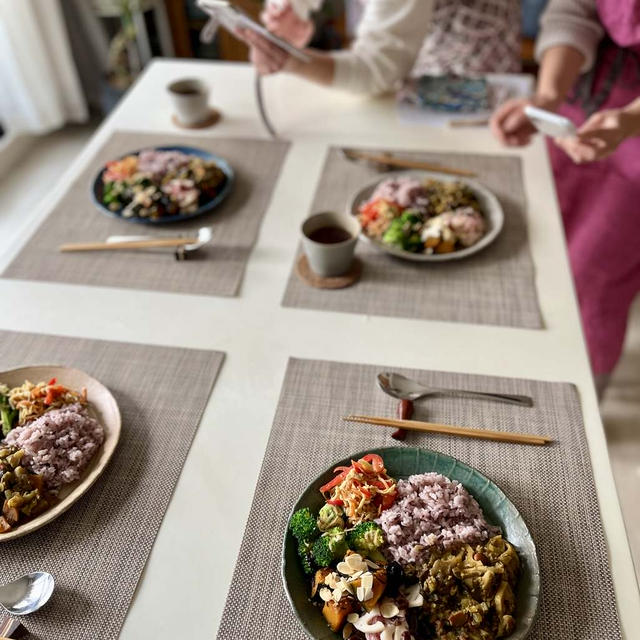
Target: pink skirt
x=600, y=204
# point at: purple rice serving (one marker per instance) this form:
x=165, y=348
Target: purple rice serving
x=49, y=440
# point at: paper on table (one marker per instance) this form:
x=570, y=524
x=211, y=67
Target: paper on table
x=518, y=85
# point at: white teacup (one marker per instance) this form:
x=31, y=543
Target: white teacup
x=329, y=241
x=191, y=101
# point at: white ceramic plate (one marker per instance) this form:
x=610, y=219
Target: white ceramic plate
x=491, y=208
x=102, y=406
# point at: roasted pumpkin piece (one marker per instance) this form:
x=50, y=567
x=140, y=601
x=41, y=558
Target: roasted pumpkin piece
x=4, y=525
x=378, y=587
x=318, y=579
x=10, y=513
x=335, y=613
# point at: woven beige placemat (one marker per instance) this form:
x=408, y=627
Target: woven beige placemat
x=215, y=270
x=551, y=486
x=98, y=549
x=495, y=286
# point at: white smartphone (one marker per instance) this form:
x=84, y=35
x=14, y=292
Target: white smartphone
x=551, y=124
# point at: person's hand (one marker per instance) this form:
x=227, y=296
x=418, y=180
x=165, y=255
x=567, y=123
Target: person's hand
x=599, y=136
x=510, y=124
x=266, y=57
x=285, y=23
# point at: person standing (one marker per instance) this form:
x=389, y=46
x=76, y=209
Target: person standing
x=597, y=172
x=396, y=39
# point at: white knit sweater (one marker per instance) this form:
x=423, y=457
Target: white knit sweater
x=570, y=22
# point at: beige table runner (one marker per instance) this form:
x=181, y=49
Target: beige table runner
x=216, y=270
x=552, y=487
x=98, y=549
x=496, y=286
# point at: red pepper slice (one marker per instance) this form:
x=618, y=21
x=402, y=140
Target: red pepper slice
x=52, y=381
x=335, y=503
x=332, y=483
x=357, y=467
x=376, y=462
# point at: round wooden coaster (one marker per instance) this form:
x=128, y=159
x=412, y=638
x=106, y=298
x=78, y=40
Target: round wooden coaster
x=214, y=116
x=319, y=282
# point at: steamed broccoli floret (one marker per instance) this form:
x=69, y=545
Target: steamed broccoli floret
x=330, y=546
x=330, y=516
x=404, y=232
x=306, y=560
x=321, y=552
x=303, y=525
x=394, y=235
x=367, y=538
x=411, y=217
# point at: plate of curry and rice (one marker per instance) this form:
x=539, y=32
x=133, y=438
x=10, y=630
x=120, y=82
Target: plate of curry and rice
x=59, y=429
x=426, y=216
x=409, y=544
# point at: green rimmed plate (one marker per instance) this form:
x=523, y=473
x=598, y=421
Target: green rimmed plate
x=401, y=462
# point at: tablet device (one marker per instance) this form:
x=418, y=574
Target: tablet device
x=551, y=124
x=223, y=13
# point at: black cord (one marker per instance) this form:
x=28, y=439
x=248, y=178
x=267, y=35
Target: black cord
x=261, y=107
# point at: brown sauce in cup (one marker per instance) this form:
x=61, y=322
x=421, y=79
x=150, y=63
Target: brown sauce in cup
x=329, y=235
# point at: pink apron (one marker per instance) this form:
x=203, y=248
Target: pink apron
x=600, y=201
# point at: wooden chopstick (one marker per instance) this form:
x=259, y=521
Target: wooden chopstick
x=469, y=122
x=406, y=163
x=468, y=432
x=131, y=244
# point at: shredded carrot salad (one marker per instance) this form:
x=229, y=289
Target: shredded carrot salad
x=363, y=489
x=33, y=400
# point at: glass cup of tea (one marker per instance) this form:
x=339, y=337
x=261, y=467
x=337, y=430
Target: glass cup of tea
x=329, y=241
x=190, y=98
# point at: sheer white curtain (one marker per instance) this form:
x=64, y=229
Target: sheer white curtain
x=39, y=85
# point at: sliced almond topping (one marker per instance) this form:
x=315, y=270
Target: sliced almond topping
x=344, y=568
x=389, y=609
x=347, y=586
x=367, y=580
x=360, y=594
x=353, y=617
x=368, y=595
x=418, y=601
x=372, y=565
x=325, y=594
x=356, y=575
x=347, y=630
x=331, y=580
x=354, y=561
x=337, y=593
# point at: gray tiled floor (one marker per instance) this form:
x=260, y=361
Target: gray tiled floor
x=621, y=415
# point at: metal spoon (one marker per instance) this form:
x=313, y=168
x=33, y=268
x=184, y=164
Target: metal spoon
x=204, y=236
x=27, y=594
x=403, y=388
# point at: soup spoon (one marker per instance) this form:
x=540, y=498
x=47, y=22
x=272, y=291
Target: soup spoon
x=27, y=594
x=404, y=388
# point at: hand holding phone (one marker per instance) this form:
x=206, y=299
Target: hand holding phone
x=551, y=124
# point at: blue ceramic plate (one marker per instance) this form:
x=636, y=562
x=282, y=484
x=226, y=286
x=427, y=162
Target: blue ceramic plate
x=96, y=189
x=401, y=462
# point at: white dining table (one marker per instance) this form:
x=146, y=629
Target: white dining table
x=183, y=588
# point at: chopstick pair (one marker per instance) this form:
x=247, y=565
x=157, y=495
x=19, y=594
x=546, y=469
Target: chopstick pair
x=129, y=244
x=404, y=163
x=468, y=432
